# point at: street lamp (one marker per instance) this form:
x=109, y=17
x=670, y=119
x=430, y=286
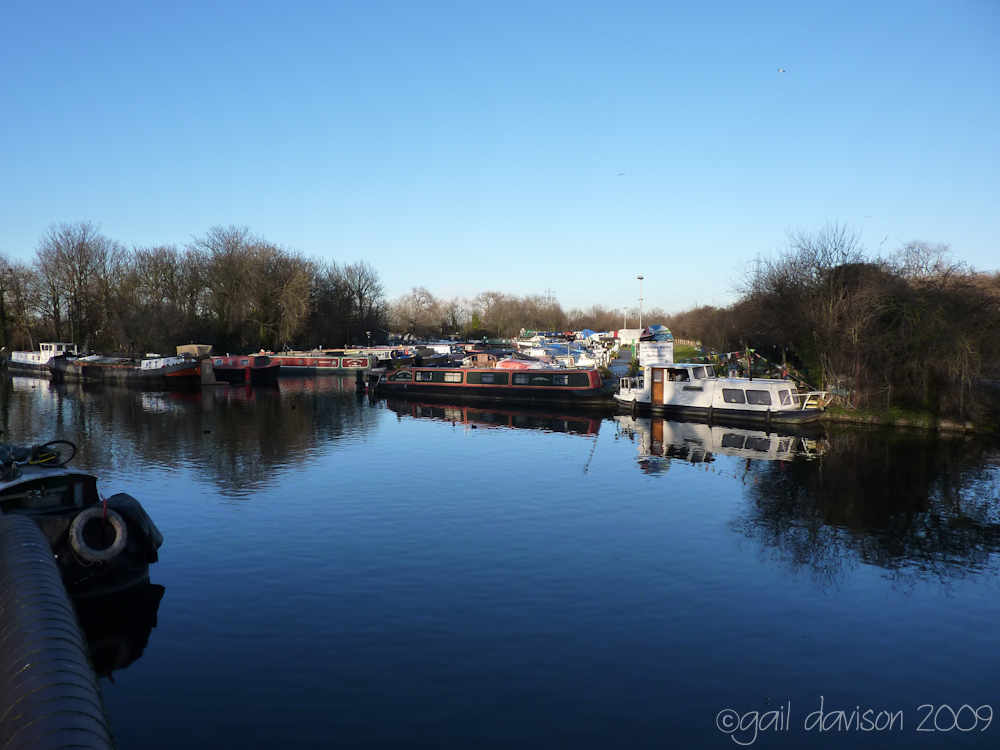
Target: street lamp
x=640, y=277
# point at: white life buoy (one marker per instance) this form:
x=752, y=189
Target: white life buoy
x=84, y=550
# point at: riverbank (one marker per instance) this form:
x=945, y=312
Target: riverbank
x=897, y=417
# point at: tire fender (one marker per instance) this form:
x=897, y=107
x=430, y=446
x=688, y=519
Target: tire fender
x=83, y=550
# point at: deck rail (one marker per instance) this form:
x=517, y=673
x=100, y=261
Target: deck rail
x=812, y=399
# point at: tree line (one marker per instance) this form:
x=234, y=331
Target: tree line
x=914, y=329
x=494, y=314
x=910, y=329
x=227, y=287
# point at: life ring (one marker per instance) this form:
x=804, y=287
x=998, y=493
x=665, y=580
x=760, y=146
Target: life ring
x=83, y=550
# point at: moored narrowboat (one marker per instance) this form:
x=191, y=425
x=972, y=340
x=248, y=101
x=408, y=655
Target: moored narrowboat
x=156, y=373
x=249, y=369
x=321, y=362
x=581, y=387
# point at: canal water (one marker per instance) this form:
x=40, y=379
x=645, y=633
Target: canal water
x=337, y=573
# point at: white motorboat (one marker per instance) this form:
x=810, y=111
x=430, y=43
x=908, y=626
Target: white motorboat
x=693, y=389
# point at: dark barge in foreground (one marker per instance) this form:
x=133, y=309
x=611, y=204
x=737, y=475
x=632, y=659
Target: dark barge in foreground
x=101, y=546
x=578, y=387
x=154, y=373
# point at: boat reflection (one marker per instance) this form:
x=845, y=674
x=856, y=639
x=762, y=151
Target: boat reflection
x=117, y=627
x=658, y=440
x=524, y=418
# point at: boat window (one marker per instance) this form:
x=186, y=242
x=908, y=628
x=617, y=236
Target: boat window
x=786, y=398
x=732, y=440
x=679, y=375
x=486, y=378
x=453, y=377
x=560, y=380
x=759, y=444
x=699, y=373
x=783, y=446
x=520, y=379
x=424, y=377
x=733, y=396
x=657, y=375
x=218, y=362
x=761, y=398
x=579, y=379
x=400, y=376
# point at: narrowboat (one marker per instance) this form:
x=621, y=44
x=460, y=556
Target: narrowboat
x=321, y=362
x=581, y=387
x=37, y=363
x=100, y=546
x=694, y=390
x=155, y=373
x=249, y=369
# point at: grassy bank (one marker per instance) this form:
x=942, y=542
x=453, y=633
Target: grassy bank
x=897, y=417
x=685, y=353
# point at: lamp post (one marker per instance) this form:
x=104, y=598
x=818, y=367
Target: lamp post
x=640, y=277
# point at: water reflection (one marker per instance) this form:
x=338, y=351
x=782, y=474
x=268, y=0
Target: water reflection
x=659, y=440
x=579, y=424
x=899, y=501
x=239, y=437
x=118, y=627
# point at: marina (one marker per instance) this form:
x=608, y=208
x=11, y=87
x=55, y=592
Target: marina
x=587, y=562
x=460, y=376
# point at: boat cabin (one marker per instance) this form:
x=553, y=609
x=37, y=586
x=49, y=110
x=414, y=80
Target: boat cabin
x=694, y=388
x=46, y=351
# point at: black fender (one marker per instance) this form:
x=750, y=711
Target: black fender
x=49, y=697
x=133, y=512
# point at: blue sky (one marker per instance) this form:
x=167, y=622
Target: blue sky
x=510, y=146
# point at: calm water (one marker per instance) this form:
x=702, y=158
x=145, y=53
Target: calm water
x=337, y=573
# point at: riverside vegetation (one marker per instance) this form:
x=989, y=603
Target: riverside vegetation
x=911, y=333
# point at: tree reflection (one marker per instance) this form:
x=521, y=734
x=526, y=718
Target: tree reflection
x=912, y=504
x=239, y=437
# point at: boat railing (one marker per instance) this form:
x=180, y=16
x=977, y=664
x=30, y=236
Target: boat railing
x=812, y=399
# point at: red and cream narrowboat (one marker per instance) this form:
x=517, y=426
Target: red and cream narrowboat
x=249, y=369
x=582, y=387
x=321, y=362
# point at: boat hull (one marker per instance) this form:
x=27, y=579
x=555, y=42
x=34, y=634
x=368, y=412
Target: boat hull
x=25, y=368
x=742, y=416
x=180, y=377
x=259, y=376
x=594, y=397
